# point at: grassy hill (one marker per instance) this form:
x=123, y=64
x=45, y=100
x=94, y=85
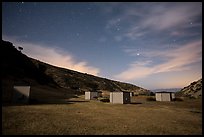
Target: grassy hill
x=18, y=66
x=81, y=81
x=193, y=90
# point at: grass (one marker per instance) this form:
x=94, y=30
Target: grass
x=80, y=117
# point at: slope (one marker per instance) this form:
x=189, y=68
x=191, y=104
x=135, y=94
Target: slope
x=82, y=82
x=192, y=90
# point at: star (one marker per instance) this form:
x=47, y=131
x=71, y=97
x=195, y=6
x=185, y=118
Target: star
x=138, y=54
x=22, y=2
x=190, y=22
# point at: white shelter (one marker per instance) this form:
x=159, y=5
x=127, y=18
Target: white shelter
x=120, y=97
x=90, y=95
x=164, y=96
x=21, y=94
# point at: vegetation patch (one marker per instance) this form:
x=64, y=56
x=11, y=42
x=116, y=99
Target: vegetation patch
x=95, y=97
x=151, y=99
x=195, y=111
x=104, y=99
x=177, y=99
x=192, y=97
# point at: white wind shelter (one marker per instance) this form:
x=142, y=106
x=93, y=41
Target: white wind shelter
x=120, y=97
x=90, y=95
x=21, y=94
x=164, y=96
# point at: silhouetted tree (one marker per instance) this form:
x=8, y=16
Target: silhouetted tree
x=20, y=48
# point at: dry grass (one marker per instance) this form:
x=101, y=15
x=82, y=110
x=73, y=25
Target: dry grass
x=81, y=117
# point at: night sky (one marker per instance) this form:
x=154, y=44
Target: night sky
x=152, y=45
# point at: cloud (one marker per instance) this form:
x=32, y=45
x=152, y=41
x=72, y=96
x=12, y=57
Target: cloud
x=54, y=56
x=135, y=32
x=167, y=16
x=150, y=18
x=135, y=71
x=179, y=59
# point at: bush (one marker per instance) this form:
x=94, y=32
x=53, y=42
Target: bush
x=151, y=99
x=105, y=100
x=95, y=97
x=177, y=99
x=192, y=97
x=151, y=94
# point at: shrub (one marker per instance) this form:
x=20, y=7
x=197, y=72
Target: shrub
x=151, y=94
x=151, y=99
x=95, y=97
x=105, y=100
x=192, y=97
x=177, y=99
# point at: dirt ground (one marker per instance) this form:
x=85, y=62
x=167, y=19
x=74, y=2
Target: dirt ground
x=77, y=116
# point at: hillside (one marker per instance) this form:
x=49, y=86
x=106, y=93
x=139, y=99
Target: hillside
x=82, y=82
x=16, y=67
x=192, y=90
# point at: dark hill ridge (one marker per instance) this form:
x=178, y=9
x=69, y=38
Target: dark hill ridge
x=17, y=67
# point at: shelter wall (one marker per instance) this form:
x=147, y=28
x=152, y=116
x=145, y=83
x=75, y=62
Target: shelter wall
x=116, y=97
x=21, y=94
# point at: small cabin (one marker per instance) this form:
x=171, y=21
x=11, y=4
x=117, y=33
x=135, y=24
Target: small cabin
x=21, y=94
x=89, y=95
x=164, y=96
x=120, y=97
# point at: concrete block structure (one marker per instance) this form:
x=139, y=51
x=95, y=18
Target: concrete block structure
x=90, y=95
x=131, y=94
x=164, y=96
x=21, y=94
x=120, y=97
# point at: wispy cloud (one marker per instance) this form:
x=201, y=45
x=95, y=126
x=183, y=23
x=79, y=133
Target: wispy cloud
x=169, y=15
x=54, y=56
x=175, y=60
x=150, y=18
